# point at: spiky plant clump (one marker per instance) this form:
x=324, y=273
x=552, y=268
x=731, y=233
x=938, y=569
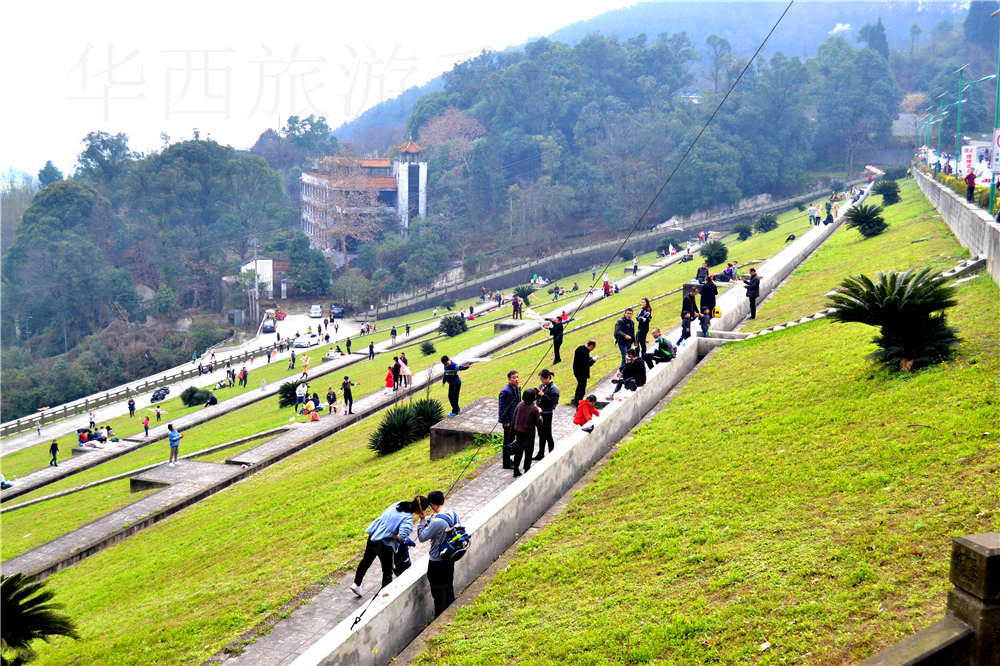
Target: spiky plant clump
x=427, y=348
x=398, y=429
x=524, y=292
x=452, y=325
x=427, y=411
x=714, y=252
x=765, y=223
x=908, y=308
x=888, y=190
x=448, y=304
x=28, y=615
x=193, y=395
x=743, y=231
x=867, y=219
x=286, y=394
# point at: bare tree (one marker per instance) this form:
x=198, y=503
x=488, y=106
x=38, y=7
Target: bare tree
x=345, y=205
x=17, y=190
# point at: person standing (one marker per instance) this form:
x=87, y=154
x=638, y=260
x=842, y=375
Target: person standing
x=159, y=413
x=454, y=382
x=345, y=388
x=405, y=374
x=348, y=346
x=54, y=451
x=437, y=530
x=690, y=303
x=556, y=331
x=392, y=334
x=527, y=417
x=385, y=535
x=397, y=372
x=702, y=273
x=709, y=291
x=970, y=185
x=93, y=420
x=371, y=351
x=301, y=391
x=635, y=266
x=131, y=407
x=593, y=274
x=38, y=427
x=643, y=318
x=145, y=425
x=752, y=285
x=407, y=329
x=174, y=439
x=582, y=360
x=548, y=398
x=812, y=214
x=625, y=333
x=510, y=396
x=331, y=397
x=292, y=366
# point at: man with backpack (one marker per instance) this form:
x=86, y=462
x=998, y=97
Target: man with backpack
x=449, y=543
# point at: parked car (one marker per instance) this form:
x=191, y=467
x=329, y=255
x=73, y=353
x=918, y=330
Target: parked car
x=160, y=393
x=307, y=340
x=279, y=315
x=269, y=326
x=316, y=312
x=336, y=311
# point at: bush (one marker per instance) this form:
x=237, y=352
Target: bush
x=836, y=185
x=399, y=428
x=714, y=252
x=427, y=348
x=286, y=394
x=193, y=395
x=801, y=207
x=626, y=254
x=524, y=292
x=867, y=219
x=664, y=244
x=448, y=304
x=452, y=325
x=902, y=306
x=889, y=191
x=765, y=223
x=743, y=231
x=895, y=173
x=427, y=412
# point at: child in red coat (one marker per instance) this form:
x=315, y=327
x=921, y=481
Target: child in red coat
x=586, y=411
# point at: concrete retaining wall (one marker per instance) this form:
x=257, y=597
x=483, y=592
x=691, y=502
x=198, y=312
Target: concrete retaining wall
x=972, y=225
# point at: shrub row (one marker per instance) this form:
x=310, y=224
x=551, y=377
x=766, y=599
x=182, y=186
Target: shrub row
x=981, y=196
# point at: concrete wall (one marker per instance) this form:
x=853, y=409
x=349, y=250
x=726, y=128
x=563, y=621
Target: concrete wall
x=972, y=225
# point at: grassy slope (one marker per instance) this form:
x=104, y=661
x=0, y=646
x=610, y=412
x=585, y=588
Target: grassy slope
x=194, y=582
x=821, y=524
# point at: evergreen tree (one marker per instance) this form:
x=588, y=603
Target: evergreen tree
x=49, y=174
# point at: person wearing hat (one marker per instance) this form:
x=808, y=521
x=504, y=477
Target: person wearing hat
x=385, y=535
x=440, y=573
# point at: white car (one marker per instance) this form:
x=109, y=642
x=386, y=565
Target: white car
x=307, y=340
x=316, y=312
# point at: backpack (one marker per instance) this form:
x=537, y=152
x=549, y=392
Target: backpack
x=718, y=312
x=458, y=545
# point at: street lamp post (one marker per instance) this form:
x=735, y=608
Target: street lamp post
x=961, y=89
x=996, y=124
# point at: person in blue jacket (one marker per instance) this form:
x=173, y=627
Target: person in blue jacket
x=454, y=382
x=385, y=536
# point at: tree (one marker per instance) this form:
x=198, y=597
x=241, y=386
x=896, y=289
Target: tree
x=714, y=252
x=49, y=174
x=105, y=160
x=29, y=615
x=17, y=190
x=765, y=223
x=867, y=219
x=719, y=61
x=307, y=266
x=452, y=325
x=877, y=40
x=254, y=201
x=889, y=191
x=902, y=305
x=980, y=29
x=345, y=206
x=915, y=33
x=312, y=135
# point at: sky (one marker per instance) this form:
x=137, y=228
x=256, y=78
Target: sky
x=231, y=69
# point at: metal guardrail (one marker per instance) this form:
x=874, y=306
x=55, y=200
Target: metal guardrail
x=49, y=416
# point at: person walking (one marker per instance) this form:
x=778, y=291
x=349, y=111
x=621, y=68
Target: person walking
x=385, y=535
x=301, y=391
x=174, y=438
x=438, y=530
x=752, y=285
x=454, y=382
x=548, y=398
x=643, y=318
x=582, y=360
x=690, y=303
x=345, y=389
x=510, y=396
x=709, y=291
x=556, y=331
x=392, y=334
x=145, y=425
x=970, y=185
x=93, y=420
x=38, y=427
x=131, y=407
x=54, y=451
x=371, y=351
x=527, y=417
x=407, y=329
x=625, y=333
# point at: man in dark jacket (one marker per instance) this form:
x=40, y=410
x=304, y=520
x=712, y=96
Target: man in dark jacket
x=752, y=285
x=454, y=382
x=708, y=293
x=624, y=334
x=582, y=360
x=702, y=273
x=556, y=331
x=690, y=303
x=510, y=396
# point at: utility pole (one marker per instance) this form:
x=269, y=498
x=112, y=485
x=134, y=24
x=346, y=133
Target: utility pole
x=254, y=238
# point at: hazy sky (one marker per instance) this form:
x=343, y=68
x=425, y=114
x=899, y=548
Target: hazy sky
x=76, y=67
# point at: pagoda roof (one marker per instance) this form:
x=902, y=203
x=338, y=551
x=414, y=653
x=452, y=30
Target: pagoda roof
x=410, y=147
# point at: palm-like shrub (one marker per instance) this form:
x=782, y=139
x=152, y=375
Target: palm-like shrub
x=889, y=191
x=452, y=325
x=398, y=429
x=714, y=252
x=524, y=292
x=427, y=412
x=28, y=615
x=194, y=396
x=663, y=245
x=427, y=348
x=743, y=231
x=903, y=306
x=867, y=219
x=765, y=223
x=448, y=304
x=286, y=394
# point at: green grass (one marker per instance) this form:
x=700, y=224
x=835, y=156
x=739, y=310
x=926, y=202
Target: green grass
x=790, y=494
